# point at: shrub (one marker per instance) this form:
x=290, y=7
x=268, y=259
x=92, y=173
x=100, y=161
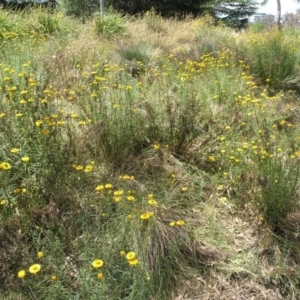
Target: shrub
x=209, y=38
x=6, y=23
x=257, y=27
x=279, y=180
x=46, y=22
x=153, y=20
x=110, y=24
x=78, y=8
x=137, y=52
x=269, y=57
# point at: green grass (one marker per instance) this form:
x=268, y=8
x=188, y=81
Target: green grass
x=178, y=142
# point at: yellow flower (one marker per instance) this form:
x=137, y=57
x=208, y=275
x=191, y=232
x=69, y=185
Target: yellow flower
x=184, y=189
x=130, y=255
x=223, y=199
x=5, y=166
x=100, y=276
x=108, y=186
x=21, y=274
x=150, y=196
x=172, y=224
x=99, y=188
x=144, y=216
x=3, y=202
x=133, y=262
x=53, y=278
x=45, y=131
x=122, y=253
x=97, y=263
x=38, y=123
x=127, y=177
x=14, y=150
x=152, y=202
x=34, y=268
x=40, y=254
x=17, y=191
x=156, y=146
x=118, y=193
x=88, y=168
x=180, y=223
x=211, y=158
x=117, y=198
x=130, y=198
x=25, y=159
x=79, y=168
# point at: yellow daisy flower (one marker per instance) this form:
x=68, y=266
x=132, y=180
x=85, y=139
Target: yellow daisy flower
x=97, y=263
x=34, y=268
x=21, y=274
x=130, y=255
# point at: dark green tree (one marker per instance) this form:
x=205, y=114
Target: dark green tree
x=80, y=8
x=21, y=4
x=163, y=7
x=233, y=13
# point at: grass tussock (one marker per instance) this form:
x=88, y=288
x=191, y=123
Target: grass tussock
x=147, y=158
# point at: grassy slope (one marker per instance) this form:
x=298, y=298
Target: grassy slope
x=175, y=106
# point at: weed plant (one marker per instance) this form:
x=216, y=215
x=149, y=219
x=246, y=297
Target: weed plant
x=47, y=23
x=110, y=24
x=270, y=57
x=279, y=179
x=153, y=21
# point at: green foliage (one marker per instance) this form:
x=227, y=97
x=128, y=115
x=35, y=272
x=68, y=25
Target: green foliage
x=79, y=8
x=269, y=57
x=46, y=22
x=6, y=23
x=153, y=20
x=136, y=53
x=110, y=24
x=279, y=181
x=257, y=27
x=211, y=39
x=165, y=7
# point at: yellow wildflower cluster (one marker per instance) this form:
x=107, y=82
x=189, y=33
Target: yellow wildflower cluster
x=132, y=259
x=178, y=223
x=33, y=269
x=87, y=169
